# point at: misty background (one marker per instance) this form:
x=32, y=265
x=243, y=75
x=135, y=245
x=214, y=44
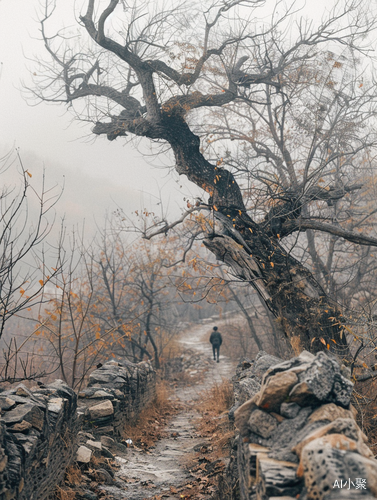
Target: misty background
x=96, y=176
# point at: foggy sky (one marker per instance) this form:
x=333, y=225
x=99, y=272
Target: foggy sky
x=98, y=176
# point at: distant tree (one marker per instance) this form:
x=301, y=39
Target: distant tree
x=293, y=95
x=114, y=299
x=24, y=270
x=135, y=295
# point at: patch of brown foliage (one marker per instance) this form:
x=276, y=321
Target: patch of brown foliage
x=149, y=426
x=65, y=493
x=214, y=424
x=72, y=479
x=365, y=402
x=86, y=477
x=73, y=475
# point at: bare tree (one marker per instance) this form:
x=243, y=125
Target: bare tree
x=135, y=295
x=24, y=269
x=156, y=74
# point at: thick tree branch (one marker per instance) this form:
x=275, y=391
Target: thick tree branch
x=184, y=78
x=101, y=23
x=128, y=102
x=143, y=71
x=300, y=224
x=329, y=193
x=180, y=105
x=119, y=126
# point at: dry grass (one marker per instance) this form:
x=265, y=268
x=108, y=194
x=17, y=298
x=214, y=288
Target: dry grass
x=64, y=493
x=219, y=432
x=170, y=348
x=72, y=478
x=365, y=402
x=214, y=423
x=218, y=398
x=148, y=428
x=73, y=475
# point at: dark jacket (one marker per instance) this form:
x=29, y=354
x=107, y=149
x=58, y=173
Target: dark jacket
x=216, y=339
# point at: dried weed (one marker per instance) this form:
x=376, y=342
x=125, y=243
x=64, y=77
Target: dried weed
x=364, y=399
x=149, y=426
x=218, y=399
x=64, y=493
x=73, y=475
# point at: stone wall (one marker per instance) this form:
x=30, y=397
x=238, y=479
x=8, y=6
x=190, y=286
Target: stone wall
x=40, y=428
x=38, y=439
x=116, y=393
x=298, y=437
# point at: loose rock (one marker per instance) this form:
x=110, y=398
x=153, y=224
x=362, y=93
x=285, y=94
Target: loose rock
x=84, y=454
x=101, y=410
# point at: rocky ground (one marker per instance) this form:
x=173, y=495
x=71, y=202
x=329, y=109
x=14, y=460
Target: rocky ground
x=170, y=469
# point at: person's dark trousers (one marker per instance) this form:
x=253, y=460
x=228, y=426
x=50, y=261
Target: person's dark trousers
x=216, y=349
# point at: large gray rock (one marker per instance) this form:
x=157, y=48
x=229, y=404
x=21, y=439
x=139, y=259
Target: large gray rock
x=329, y=412
x=242, y=415
x=263, y=362
x=103, y=409
x=6, y=403
x=322, y=382
x=55, y=405
x=297, y=364
x=262, y=423
x=94, y=445
x=108, y=441
x=28, y=412
x=101, y=394
x=289, y=410
x=287, y=434
x=277, y=478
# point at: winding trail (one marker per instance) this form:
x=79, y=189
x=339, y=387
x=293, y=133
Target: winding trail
x=147, y=474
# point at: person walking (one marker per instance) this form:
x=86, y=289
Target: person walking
x=216, y=341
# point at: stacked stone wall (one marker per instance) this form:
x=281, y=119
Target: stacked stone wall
x=38, y=439
x=116, y=394
x=298, y=437
x=40, y=428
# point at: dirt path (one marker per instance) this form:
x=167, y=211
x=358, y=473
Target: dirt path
x=148, y=474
